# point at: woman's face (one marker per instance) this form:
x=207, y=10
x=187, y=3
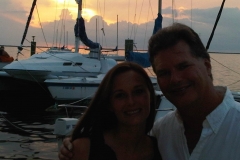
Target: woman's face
x=130, y=99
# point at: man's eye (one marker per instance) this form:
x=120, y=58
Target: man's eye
x=183, y=67
x=162, y=74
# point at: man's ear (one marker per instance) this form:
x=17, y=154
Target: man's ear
x=208, y=66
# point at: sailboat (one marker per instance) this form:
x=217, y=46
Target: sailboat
x=140, y=57
x=115, y=56
x=106, y=52
x=58, y=63
x=82, y=86
x=78, y=88
x=23, y=80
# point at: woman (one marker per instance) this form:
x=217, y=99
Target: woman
x=117, y=121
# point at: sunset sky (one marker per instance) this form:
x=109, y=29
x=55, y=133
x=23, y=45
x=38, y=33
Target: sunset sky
x=108, y=9
x=199, y=14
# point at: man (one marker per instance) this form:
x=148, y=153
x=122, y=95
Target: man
x=205, y=125
x=206, y=122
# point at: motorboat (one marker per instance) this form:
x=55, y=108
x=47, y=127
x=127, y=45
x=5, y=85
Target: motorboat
x=2, y=64
x=61, y=62
x=56, y=63
x=24, y=79
x=78, y=88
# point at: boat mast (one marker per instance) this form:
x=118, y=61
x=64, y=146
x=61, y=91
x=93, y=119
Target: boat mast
x=96, y=29
x=26, y=28
x=173, y=11
x=117, y=34
x=160, y=6
x=77, y=39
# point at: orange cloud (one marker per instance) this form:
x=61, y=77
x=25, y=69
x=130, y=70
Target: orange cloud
x=13, y=18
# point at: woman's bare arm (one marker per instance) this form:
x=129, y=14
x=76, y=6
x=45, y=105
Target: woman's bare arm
x=81, y=149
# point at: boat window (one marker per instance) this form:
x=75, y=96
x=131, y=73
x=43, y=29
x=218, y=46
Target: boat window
x=67, y=63
x=77, y=64
x=41, y=57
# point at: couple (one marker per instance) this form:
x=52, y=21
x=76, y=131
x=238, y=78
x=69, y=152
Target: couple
x=205, y=125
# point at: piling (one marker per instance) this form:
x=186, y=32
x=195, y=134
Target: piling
x=128, y=46
x=33, y=46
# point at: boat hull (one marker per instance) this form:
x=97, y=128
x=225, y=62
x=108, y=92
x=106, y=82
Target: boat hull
x=2, y=64
x=72, y=92
x=72, y=89
x=23, y=96
x=78, y=88
x=49, y=65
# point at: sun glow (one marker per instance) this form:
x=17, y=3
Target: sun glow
x=88, y=13
x=70, y=5
x=61, y=1
x=181, y=9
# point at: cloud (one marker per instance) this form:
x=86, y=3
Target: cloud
x=226, y=37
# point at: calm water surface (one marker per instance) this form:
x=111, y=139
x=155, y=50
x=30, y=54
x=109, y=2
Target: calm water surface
x=226, y=70
x=27, y=136
x=31, y=136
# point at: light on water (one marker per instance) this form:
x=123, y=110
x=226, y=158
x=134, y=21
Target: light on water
x=37, y=140
x=226, y=70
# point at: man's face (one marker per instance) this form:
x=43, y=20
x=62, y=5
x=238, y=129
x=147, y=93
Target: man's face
x=182, y=78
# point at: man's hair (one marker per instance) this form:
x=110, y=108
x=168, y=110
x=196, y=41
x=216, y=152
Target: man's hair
x=170, y=36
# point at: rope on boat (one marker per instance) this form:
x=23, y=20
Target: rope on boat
x=82, y=99
x=41, y=26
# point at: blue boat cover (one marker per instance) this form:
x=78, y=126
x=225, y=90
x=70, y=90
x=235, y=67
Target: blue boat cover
x=80, y=32
x=139, y=58
x=143, y=58
x=158, y=23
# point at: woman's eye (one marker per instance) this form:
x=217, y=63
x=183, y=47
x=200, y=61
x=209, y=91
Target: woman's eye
x=139, y=91
x=119, y=95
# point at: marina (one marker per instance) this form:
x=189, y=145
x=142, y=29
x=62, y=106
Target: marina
x=34, y=91
x=18, y=144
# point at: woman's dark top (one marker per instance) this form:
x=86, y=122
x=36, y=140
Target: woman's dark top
x=101, y=151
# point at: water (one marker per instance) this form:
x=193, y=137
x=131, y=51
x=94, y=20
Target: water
x=28, y=136
x=226, y=70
